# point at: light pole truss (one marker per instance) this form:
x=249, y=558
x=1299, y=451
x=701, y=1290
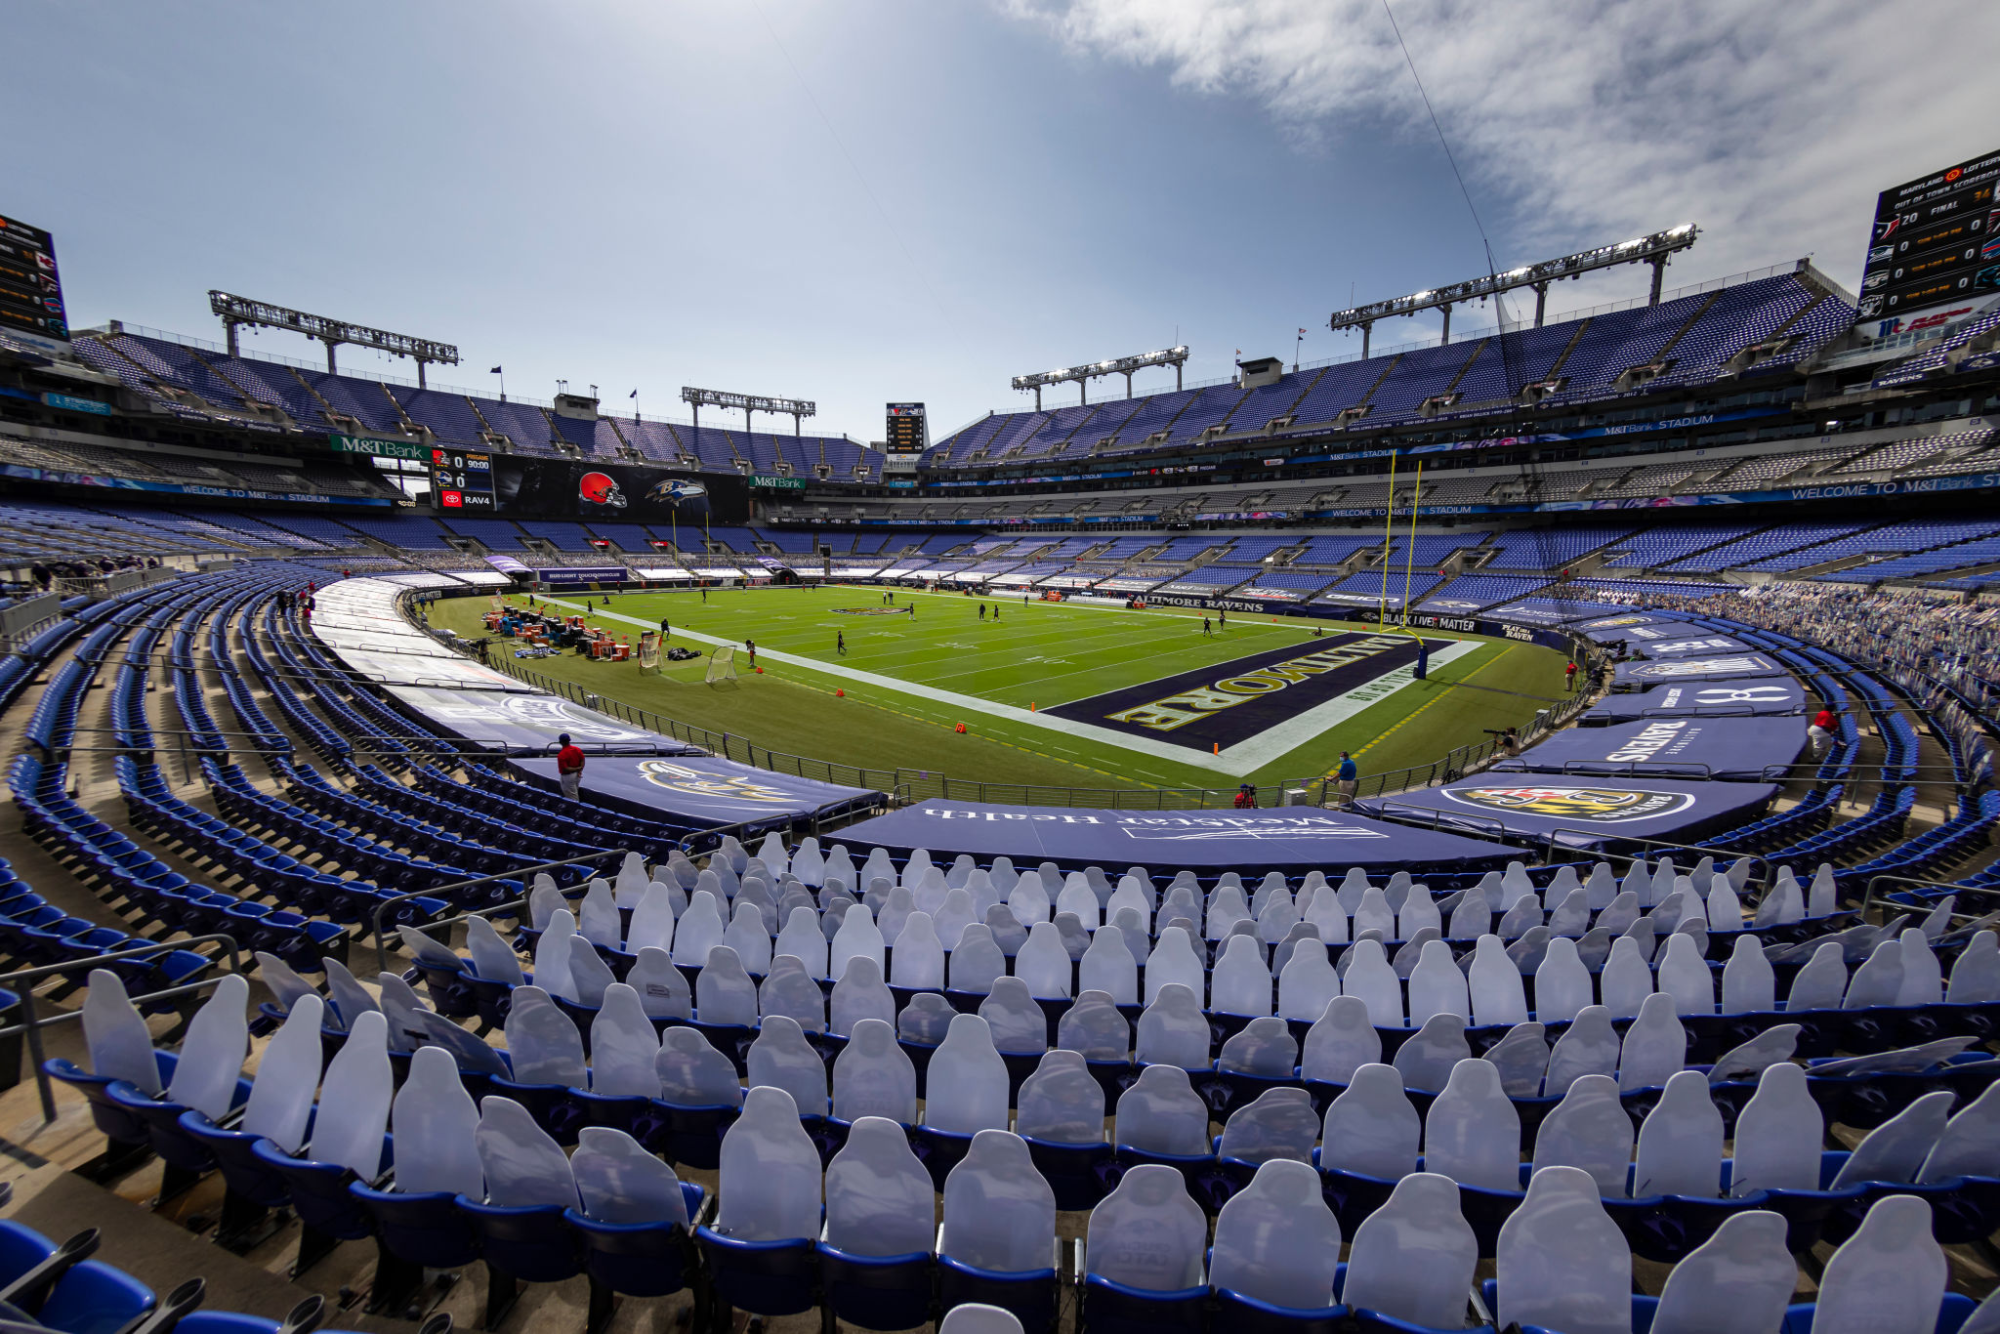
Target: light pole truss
x=240, y=310
x=1084, y=374
x=796, y=408
x=1652, y=249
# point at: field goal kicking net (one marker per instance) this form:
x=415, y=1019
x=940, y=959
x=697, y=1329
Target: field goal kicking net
x=721, y=665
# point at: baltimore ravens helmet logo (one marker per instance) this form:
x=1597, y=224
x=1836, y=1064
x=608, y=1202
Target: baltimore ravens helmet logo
x=695, y=783
x=674, y=490
x=1598, y=805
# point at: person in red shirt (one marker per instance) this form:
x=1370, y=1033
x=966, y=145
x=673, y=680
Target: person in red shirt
x=1823, y=719
x=1569, y=677
x=569, y=766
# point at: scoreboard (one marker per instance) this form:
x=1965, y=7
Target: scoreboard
x=461, y=480
x=31, y=302
x=1934, y=252
x=908, y=436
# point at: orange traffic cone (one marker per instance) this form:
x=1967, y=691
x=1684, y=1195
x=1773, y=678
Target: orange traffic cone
x=961, y=728
x=1218, y=748
x=840, y=694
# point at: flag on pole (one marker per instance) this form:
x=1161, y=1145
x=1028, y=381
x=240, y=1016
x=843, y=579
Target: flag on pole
x=633, y=394
x=494, y=371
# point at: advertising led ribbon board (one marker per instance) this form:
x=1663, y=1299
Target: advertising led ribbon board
x=1728, y=749
x=703, y=790
x=31, y=300
x=1932, y=255
x=1294, y=840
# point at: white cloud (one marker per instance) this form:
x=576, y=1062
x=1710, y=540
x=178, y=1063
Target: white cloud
x=1583, y=121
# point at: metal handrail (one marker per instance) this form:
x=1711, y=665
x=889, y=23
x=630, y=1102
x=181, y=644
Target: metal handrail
x=518, y=873
x=32, y=1023
x=1868, y=893
x=1548, y=842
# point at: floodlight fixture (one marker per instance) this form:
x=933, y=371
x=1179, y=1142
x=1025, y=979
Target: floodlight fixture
x=796, y=408
x=1090, y=370
x=1652, y=249
x=240, y=310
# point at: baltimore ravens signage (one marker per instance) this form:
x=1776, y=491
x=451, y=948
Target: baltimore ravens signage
x=1237, y=700
x=1632, y=675
x=1586, y=814
x=1593, y=805
x=1724, y=698
x=703, y=790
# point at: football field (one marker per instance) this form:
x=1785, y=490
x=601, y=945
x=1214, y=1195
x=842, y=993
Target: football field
x=1065, y=694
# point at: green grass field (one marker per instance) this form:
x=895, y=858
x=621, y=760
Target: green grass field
x=909, y=682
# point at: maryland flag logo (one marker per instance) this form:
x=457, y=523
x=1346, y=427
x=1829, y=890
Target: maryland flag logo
x=1595, y=805
x=695, y=783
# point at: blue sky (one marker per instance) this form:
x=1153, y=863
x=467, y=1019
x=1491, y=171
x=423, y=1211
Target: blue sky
x=862, y=200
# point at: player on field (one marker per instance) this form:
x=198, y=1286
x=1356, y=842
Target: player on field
x=1207, y=626
x=751, y=644
x=840, y=642
x=982, y=611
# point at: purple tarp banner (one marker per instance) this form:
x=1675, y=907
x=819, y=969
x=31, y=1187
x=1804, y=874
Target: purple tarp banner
x=1589, y=813
x=1754, y=696
x=1728, y=749
x=704, y=790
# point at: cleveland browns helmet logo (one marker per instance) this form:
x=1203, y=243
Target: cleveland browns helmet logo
x=1597, y=805
x=598, y=489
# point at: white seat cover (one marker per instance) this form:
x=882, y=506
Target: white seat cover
x=917, y=958
x=1265, y=1048
x=1029, y=900
x=470, y=1052
x=1561, y=1261
x=544, y=901
x=1514, y=886
x=425, y=949
x=1437, y=987
x=1619, y=914
x=1061, y=1102
x=1472, y=1133
x=281, y=1097
x=1174, y=961
x=772, y=853
x=552, y=956
x=770, y=1173
x=1323, y=910
x=977, y=962
x=1369, y=977
x=349, y=999
x=1523, y=917
x=873, y=1076
x=1276, y=1241
x=1970, y=1145
x=632, y=880
x=1879, y=980
x=723, y=991
x=699, y=929
x=597, y=917
x=1737, y=1282
x=1522, y=1058
x=790, y=992
x=1749, y=986
x=1655, y=1046
x=1173, y=1030
x=1821, y=983
x=1129, y=894
x=802, y=939
x=746, y=934
x=1923, y=976
x=782, y=1058
x=999, y=1214
x=952, y=917
x=1472, y=917
x=542, y=1043
x=284, y=983
x=1896, y=1149
x=1589, y=1130
x=925, y=1019
x=1985, y=1318
x=619, y=1182
x=928, y=894
x=967, y=1081
x=1571, y=915
x=1341, y=1041
x=1413, y=1259
x=1782, y=904
x=877, y=866
x=731, y=855
x=860, y=994
x=493, y=959
x=1008, y=933
x=1371, y=1128
x=1975, y=977
x=1680, y=1142
x=589, y=975
x=808, y=865
x=857, y=938
x=1352, y=886
x=1562, y=983
x=1281, y=1123
x=1822, y=897
x=624, y=1049
x=1076, y=897
x=1017, y=1025
x=1241, y=981
x=1307, y=983
x=354, y=1100
x=1042, y=963
x=1148, y=1233
x=1778, y=1135
x=1495, y=983
x=1602, y=886
x=1418, y=912
x=1888, y=1278
x=1109, y=966
x=693, y=1073
x=1750, y=1059
x=1162, y=1114
x=1375, y=914
x=436, y=1124
x=1725, y=908
x=1527, y=953
x=663, y=989
x=879, y=1199
x=1590, y=1046
x=1625, y=981
x=523, y=1165
x=218, y=1039
x=1426, y=1060
x=985, y=894
x=1685, y=976
x=1093, y=1028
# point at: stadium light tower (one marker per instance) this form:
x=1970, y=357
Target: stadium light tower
x=798, y=408
x=1652, y=249
x=1090, y=370
x=237, y=310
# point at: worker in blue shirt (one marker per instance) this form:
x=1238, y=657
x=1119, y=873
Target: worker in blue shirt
x=1345, y=780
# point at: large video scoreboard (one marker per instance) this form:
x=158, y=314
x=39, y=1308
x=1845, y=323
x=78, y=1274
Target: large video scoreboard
x=461, y=479
x=1934, y=253
x=31, y=303
x=907, y=438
